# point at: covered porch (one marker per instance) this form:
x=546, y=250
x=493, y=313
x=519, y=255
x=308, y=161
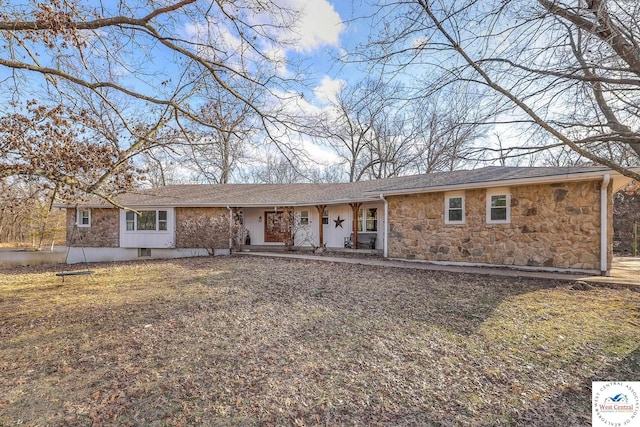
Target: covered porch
x=308, y=228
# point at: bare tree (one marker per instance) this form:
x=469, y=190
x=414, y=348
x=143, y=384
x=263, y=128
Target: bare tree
x=380, y=131
x=394, y=145
x=348, y=127
x=160, y=168
x=447, y=129
x=26, y=216
x=274, y=168
x=216, y=150
x=144, y=63
x=568, y=69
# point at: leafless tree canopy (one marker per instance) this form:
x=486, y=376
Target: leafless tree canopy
x=570, y=69
x=115, y=75
x=378, y=130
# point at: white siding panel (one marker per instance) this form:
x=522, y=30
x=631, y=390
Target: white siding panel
x=149, y=239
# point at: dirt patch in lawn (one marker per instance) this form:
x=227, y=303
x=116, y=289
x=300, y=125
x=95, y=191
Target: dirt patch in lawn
x=235, y=340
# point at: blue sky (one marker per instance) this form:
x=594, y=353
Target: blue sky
x=327, y=32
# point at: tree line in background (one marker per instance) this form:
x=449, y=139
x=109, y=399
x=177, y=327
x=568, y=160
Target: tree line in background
x=102, y=97
x=371, y=130
x=26, y=216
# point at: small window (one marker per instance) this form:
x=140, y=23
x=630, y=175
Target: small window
x=131, y=221
x=325, y=216
x=84, y=218
x=370, y=219
x=454, y=208
x=304, y=217
x=498, y=207
x=162, y=220
x=142, y=252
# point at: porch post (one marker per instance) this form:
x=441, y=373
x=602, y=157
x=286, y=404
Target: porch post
x=321, y=209
x=354, y=208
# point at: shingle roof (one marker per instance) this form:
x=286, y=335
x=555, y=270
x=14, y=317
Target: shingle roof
x=250, y=194
x=487, y=175
x=314, y=194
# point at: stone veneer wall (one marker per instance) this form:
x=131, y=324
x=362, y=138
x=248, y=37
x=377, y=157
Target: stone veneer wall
x=103, y=233
x=555, y=225
x=183, y=238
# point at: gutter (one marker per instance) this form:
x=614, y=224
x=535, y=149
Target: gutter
x=385, y=240
x=604, y=213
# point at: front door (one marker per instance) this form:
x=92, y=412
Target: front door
x=274, y=227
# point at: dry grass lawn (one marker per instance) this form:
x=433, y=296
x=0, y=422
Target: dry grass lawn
x=255, y=341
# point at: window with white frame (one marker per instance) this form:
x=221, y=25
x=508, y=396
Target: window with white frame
x=368, y=217
x=498, y=206
x=325, y=216
x=155, y=220
x=304, y=217
x=83, y=218
x=454, y=212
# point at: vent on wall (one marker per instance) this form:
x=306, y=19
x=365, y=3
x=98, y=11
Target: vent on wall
x=144, y=252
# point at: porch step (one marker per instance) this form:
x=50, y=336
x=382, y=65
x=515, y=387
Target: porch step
x=282, y=248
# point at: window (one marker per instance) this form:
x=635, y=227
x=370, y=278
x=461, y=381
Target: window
x=146, y=221
x=370, y=217
x=325, y=216
x=304, y=217
x=162, y=220
x=142, y=252
x=498, y=207
x=454, y=208
x=131, y=221
x=83, y=218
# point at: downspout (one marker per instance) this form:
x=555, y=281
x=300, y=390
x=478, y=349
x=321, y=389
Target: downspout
x=230, y=229
x=604, y=213
x=385, y=239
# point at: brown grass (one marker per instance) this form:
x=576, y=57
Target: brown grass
x=244, y=341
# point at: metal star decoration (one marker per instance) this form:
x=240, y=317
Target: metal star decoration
x=338, y=222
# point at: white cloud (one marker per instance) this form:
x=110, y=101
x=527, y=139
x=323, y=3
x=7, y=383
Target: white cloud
x=419, y=42
x=319, y=24
x=278, y=58
x=311, y=24
x=328, y=89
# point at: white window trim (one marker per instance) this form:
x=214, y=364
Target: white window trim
x=454, y=195
x=362, y=224
x=498, y=192
x=135, y=221
x=304, y=219
x=79, y=217
x=324, y=217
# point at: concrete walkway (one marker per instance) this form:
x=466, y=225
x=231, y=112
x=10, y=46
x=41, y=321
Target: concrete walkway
x=625, y=271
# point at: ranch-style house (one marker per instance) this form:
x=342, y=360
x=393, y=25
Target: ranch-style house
x=547, y=218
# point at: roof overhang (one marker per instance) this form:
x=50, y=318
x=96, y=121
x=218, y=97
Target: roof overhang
x=279, y=204
x=618, y=179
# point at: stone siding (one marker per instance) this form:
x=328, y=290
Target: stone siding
x=103, y=233
x=186, y=238
x=555, y=225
